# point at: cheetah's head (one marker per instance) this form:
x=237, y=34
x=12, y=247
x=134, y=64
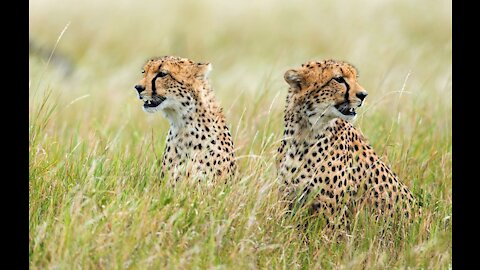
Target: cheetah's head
x=169, y=84
x=324, y=90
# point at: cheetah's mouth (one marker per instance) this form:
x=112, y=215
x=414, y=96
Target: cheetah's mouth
x=153, y=102
x=346, y=109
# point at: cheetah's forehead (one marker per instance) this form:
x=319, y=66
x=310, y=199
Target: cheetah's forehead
x=334, y=65
x=323, y=71
x=168, y=61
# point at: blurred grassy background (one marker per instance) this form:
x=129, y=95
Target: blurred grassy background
x=93, y=151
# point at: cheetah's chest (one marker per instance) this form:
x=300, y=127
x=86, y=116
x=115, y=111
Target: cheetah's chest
x=198, y=153
x=320, y=164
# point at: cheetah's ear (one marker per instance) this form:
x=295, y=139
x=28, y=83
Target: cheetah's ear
x=295, y=79
x=203, y=69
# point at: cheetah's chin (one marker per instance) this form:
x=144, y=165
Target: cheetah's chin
x=153, y=103
x=345, y=109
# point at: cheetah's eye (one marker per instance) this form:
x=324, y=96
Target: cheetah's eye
x=340, y=80
x=162, y=73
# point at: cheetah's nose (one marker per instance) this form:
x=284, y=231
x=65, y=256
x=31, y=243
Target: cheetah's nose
x=139, y=88
x=362, y=95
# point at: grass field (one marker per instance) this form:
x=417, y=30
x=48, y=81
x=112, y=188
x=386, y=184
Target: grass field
x=95, y=197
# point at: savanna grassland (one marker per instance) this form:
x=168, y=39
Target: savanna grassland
x=96, y=199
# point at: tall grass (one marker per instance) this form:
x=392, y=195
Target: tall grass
x=95, y=196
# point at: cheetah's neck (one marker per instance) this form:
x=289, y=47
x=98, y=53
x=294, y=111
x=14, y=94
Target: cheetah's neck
x=204, y=113
x=199, y=119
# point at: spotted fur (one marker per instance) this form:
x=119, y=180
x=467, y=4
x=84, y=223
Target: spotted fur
x=323, y=158
x=199, y=143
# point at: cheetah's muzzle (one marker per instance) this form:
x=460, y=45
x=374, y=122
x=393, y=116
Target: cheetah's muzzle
x=154, y=102
x=345, y=108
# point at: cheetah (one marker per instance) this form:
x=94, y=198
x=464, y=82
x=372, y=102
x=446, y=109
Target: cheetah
x=199, y=143
x=323, y=158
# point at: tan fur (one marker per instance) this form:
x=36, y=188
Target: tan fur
x=323, y=157
x=199, y=143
